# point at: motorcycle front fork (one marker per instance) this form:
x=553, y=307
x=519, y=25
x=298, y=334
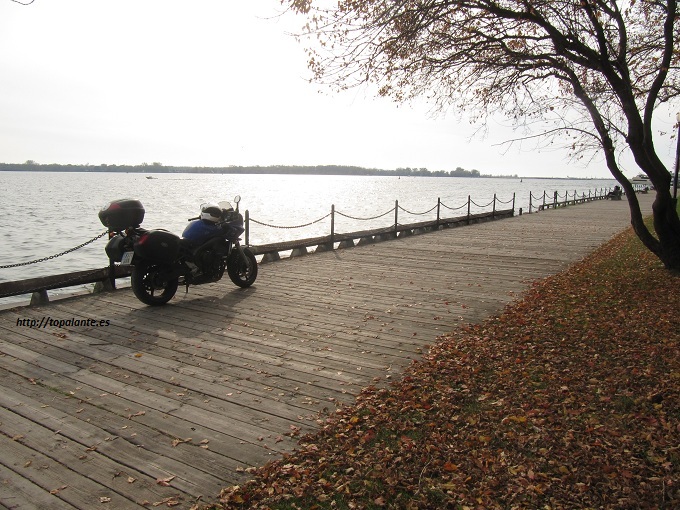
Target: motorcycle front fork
x=244, y=259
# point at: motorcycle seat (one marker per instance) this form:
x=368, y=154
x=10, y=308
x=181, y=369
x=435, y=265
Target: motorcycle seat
x=185, y=243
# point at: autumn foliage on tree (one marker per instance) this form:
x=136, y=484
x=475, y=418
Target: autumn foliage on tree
x=586, y=73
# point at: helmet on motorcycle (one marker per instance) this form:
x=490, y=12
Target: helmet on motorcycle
x=211, y=212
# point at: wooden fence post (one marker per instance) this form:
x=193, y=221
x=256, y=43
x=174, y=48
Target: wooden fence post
x=247, y=218
x=112, y=275
x=112, y=268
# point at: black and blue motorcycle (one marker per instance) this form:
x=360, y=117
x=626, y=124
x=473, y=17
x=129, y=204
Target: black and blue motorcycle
x=161, y=261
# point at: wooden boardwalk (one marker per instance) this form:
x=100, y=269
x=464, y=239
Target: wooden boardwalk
x=168, y=405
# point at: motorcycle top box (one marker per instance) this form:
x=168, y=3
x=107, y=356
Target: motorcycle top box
x=121, y=214
x=158, y=246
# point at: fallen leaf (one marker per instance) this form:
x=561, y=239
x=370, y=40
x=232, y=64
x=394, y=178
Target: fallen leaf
x=165, y=482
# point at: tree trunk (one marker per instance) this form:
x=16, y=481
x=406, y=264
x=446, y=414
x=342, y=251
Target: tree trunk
x=667, y=227
x=666, y=246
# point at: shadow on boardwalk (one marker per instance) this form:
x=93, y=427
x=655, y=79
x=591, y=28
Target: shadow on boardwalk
x=171, y=404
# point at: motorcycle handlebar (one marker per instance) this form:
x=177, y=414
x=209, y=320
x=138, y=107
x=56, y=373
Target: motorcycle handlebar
x=192, y=219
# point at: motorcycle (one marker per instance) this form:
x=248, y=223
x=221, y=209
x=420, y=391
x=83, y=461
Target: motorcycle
x=161, y=261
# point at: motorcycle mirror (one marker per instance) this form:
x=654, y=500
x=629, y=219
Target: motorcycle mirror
x=237, y=199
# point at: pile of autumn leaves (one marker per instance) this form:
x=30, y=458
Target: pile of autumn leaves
x=569, y=399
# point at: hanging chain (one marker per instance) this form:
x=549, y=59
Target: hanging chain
x=417, y=213
x=364, y=219
x=8, y=266
x=295, y=226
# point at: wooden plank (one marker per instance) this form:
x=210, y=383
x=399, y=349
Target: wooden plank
x=179, y=359
x=18, y=492
x=16, y=288
x=87, y=462
x=136, y=436
x=55, y=478
x=174, y=400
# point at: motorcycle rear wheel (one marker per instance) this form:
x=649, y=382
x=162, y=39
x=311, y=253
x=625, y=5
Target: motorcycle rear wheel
x=241, y=273
x=150, y=285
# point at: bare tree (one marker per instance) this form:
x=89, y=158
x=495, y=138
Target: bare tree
x=590, y=73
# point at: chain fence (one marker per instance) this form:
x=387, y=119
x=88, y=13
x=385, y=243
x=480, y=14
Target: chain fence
x=557, y=198
x=418, y=214
x=291, y=226
x=394, y=210
x=364, y=219
x=544, y=200
x=50, y=257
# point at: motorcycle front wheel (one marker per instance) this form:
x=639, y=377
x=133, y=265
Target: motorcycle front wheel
x=242, y=273
x=151, y=284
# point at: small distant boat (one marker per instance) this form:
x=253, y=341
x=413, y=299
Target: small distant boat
x=150, y=177
x=640, y=179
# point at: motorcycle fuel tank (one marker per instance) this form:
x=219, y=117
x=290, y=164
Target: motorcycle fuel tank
x=199, y=231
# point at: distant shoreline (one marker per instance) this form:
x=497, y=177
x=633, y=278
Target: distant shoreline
x=156, y=168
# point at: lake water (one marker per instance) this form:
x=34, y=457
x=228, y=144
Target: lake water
x=45, y=213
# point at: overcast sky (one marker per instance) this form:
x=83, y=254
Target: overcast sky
x=214, y=83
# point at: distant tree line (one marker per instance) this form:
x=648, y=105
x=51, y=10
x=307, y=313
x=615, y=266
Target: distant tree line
x=32, y=166
x=458, y=172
